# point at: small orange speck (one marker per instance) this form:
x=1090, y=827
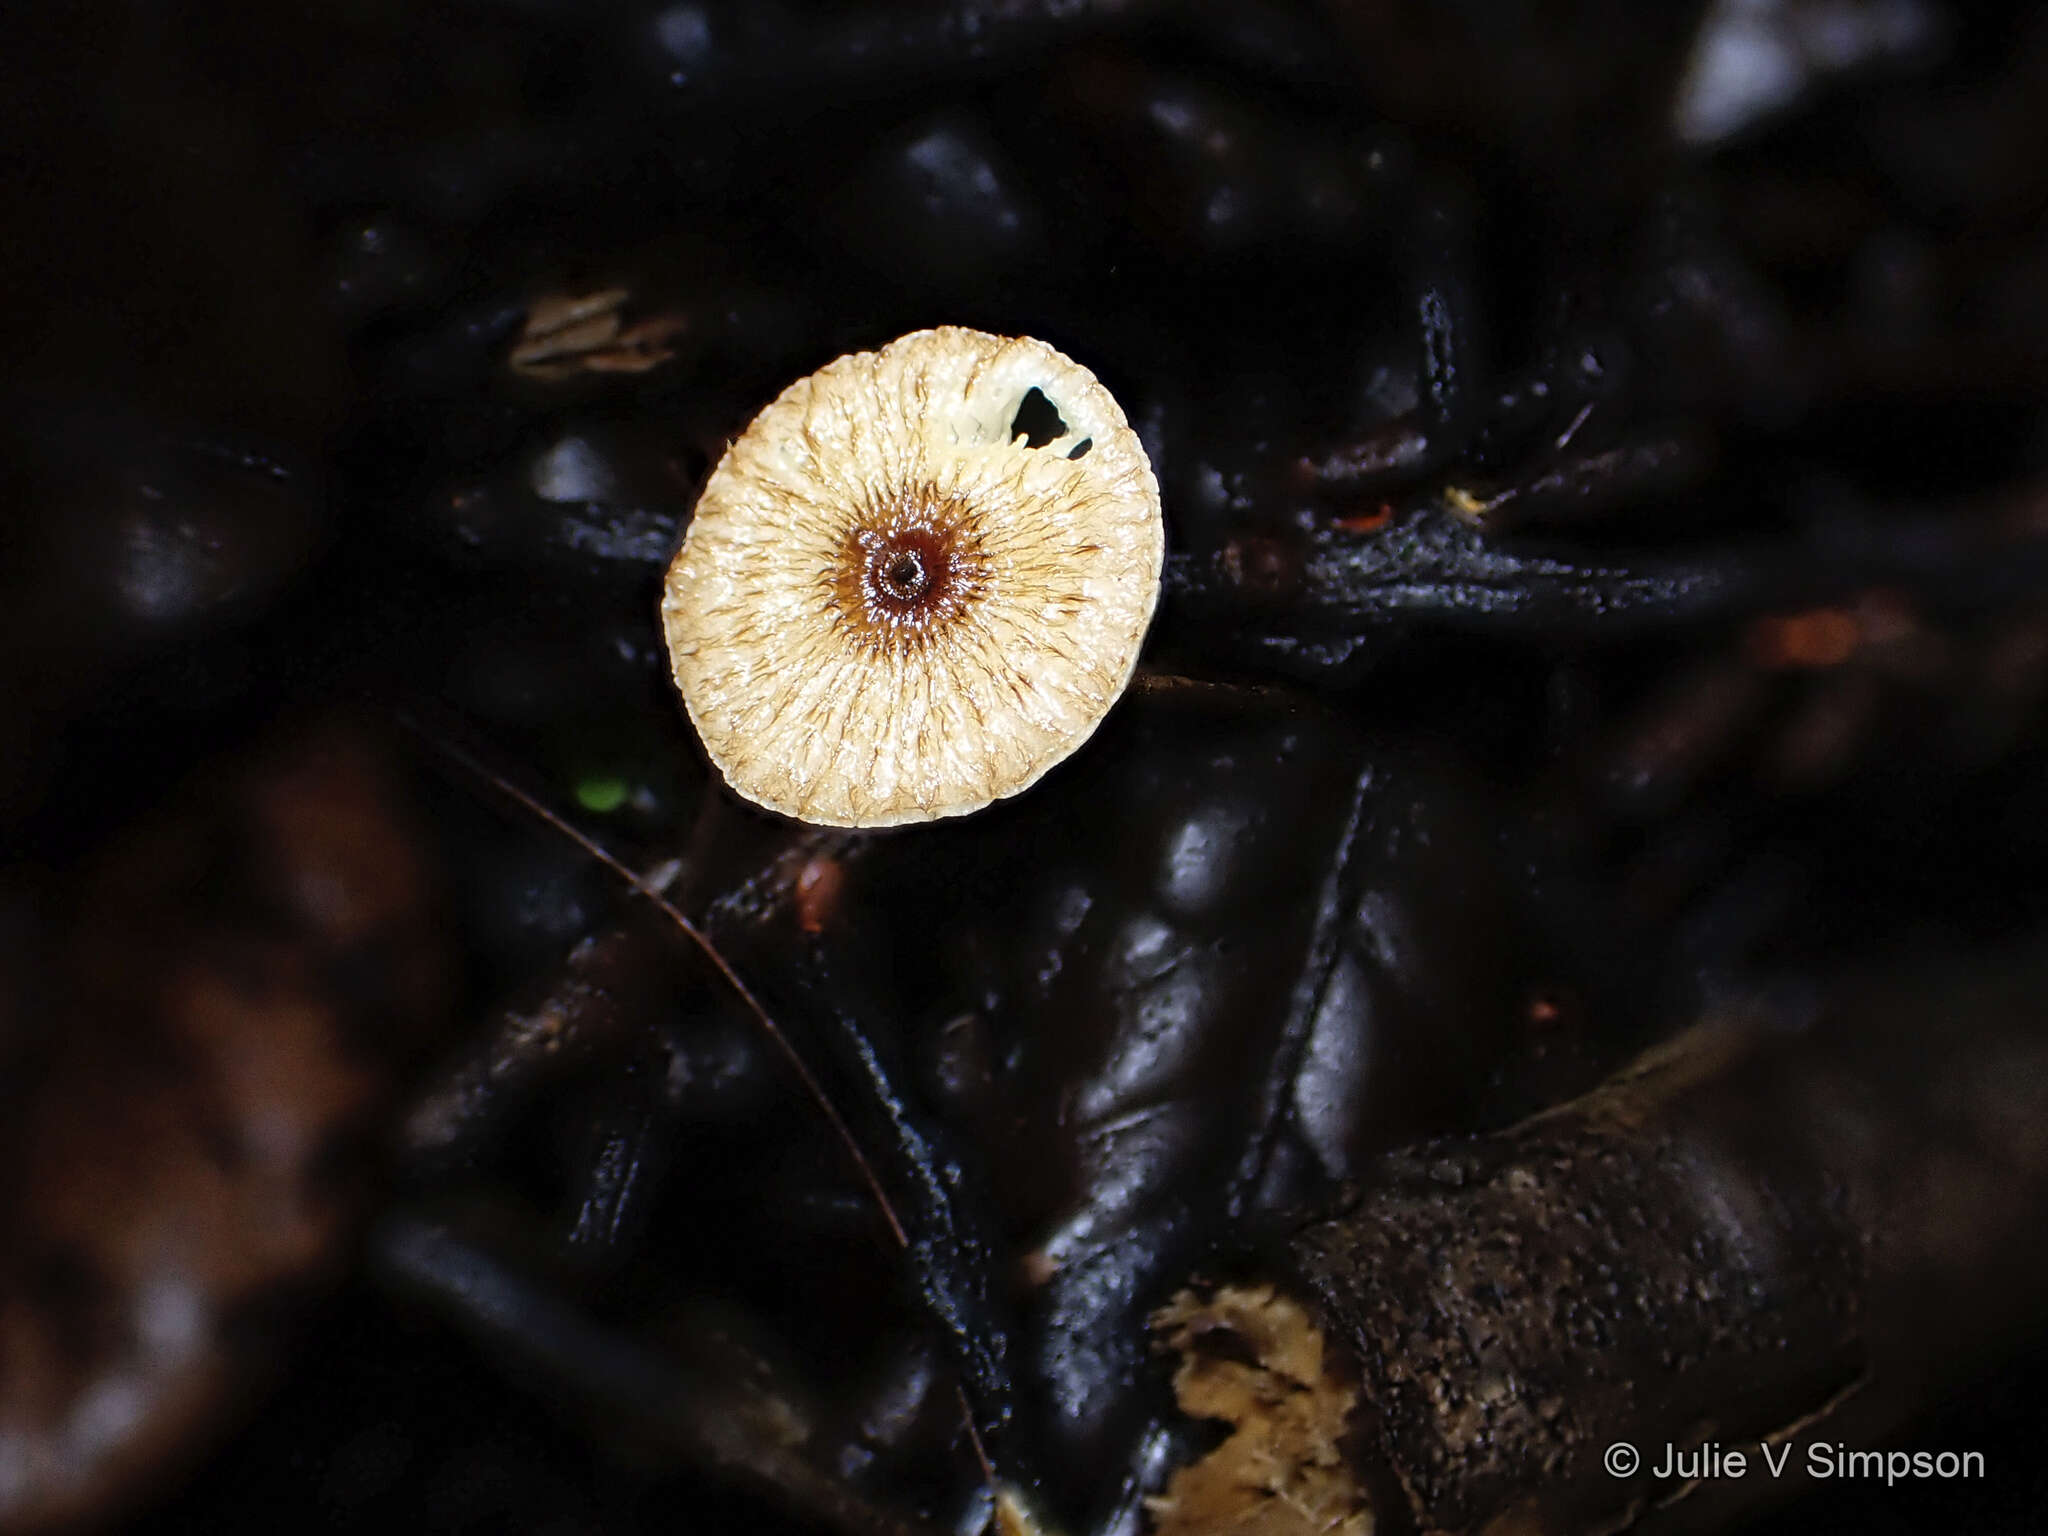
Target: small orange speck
x=1819, y=637
x=819, y=885
x=1368, y=522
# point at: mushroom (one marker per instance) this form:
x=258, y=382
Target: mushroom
x=917, y=581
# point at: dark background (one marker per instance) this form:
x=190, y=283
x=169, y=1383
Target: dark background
x=1738, y=318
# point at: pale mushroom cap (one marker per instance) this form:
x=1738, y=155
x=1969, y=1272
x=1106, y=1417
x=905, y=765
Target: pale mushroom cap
x=887, y=610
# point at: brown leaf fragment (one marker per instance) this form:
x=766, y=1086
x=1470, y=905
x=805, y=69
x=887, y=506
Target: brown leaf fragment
x=1252, y=1358
x=230, y=991
x=568, y=334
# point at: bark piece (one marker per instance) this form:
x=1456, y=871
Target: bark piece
x=1764, y=1233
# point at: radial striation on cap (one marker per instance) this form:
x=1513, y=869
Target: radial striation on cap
x=917, y=581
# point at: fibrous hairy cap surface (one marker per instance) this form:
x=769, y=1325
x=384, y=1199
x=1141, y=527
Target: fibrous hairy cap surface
x=916, y=582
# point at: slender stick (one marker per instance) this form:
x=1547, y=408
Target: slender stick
x=641, y=886
x=698, y=937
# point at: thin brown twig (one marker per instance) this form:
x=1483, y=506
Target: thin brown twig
x=710, y=951
x=988, y=1469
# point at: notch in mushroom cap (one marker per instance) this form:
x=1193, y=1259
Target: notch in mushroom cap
x=916, y=582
